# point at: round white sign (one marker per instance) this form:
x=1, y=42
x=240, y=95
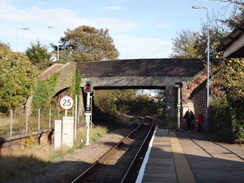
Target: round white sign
x=66, y=102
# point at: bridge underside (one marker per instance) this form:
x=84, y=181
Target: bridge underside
x=133, y=82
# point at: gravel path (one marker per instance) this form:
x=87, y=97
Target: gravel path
x=67, y=168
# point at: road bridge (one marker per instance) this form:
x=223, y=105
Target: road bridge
x=143, y=74
x=139, y=73
x=150, y=74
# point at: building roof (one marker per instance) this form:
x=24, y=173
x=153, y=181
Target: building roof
x=233, y=44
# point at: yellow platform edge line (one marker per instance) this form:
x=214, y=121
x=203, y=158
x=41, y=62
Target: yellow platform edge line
x=183, y=170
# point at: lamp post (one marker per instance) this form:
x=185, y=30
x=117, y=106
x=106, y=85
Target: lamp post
x=208, y=67
x=23, y=28
x=178, y=86
x=57, y=42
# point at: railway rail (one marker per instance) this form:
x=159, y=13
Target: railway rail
x=122, y=162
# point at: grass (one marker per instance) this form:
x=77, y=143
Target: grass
x=30, y=156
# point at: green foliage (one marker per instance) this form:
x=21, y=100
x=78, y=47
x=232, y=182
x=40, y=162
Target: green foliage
x=127, y=102
x=4, y=46
x=87, y=43
x=76, y=89
x=194, y=44
x=98, y=132
x=230, y=79
x=114, y=100
x=44, y=92
x=220, y=117
x=122, y=99
x=39, y=55
x=17, y=78
x=225, y=122
x=184, y=45
x=143, y=105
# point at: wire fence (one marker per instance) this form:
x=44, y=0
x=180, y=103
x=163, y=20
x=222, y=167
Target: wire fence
x=21, y=121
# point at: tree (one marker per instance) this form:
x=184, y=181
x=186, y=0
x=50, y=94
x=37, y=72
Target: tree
x=194, y=44
x=185, y=45
x=4, y=46
x=39, y=55
x=237, y=13
x=17, y=78
x=87, y=43
x=229, y=77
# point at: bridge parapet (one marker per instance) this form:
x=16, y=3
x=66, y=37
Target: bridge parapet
x=141, y=67
x=135, y=72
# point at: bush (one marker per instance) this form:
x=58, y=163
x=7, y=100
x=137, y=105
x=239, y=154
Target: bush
x=225, y=122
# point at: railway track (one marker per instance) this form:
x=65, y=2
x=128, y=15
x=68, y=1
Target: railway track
x=122, y=162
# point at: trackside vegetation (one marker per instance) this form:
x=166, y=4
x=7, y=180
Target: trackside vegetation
x=32, y=156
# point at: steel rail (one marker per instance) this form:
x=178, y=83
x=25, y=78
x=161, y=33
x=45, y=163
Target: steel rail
x=106, y=155
x=132, y=164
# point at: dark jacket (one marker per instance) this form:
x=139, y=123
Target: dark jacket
x=189, y=116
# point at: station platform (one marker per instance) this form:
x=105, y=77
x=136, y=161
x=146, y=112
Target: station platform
x=191, y=157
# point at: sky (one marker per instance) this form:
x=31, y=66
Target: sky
x=139, y=28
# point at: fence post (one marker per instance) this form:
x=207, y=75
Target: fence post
x=50, y=117
x=26, y=119
x=75, y=114
x=11, y=122
x=58, y=112
x=39, y=119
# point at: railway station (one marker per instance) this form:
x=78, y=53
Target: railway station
x=179, y=157
x=150, y=153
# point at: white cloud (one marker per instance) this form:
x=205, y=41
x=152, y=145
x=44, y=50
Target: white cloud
x=114, y=25
x=38, y=19
x=137, y=47
x=59, y=17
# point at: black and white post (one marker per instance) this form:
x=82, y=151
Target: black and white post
x=88, y=89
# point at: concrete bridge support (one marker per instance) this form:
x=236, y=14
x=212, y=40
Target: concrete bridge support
x=170, y=96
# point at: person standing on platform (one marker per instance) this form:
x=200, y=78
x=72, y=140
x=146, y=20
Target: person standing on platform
x=200, y=121
x=189, y=117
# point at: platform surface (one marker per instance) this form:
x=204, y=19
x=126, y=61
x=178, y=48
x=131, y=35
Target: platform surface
x=183, y=157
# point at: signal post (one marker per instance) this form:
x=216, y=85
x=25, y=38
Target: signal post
x=88, y=89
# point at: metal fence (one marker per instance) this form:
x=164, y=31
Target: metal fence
x=19, y=121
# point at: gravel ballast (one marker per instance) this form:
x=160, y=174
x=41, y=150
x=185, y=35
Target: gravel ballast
x=66, y=169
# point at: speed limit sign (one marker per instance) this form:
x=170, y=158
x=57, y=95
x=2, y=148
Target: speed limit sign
x=66, y=102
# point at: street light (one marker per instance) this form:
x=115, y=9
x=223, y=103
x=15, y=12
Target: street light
x=208, y=87
x=57, y=43
x=23, y=28
x=178, y=86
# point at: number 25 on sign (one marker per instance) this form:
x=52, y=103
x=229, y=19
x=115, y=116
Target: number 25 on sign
x=66, y=102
